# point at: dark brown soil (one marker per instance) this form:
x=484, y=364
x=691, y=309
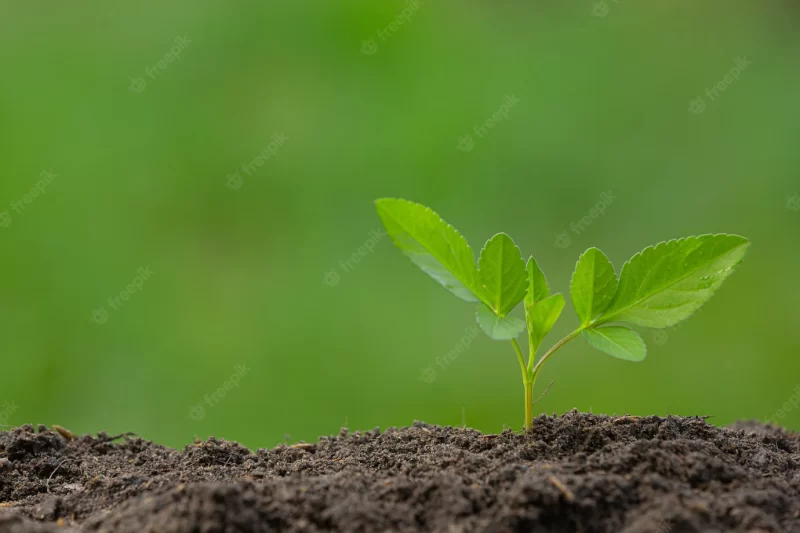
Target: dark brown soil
x=578, y=472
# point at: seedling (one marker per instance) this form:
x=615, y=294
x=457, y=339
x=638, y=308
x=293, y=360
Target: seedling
x=657, y=288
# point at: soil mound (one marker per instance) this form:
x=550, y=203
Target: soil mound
x=577, y=472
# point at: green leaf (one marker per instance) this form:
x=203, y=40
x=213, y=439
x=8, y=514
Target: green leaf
x=501, y=274
x=667, y=283
x=619, y=341
x=432, y=244
x=499, y=328
x=541, y=318
x=537, y=284
x=594, y=283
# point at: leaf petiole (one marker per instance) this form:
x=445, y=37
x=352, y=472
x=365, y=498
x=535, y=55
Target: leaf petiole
x=554, y=349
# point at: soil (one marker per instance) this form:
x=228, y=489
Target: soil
x=577, y=472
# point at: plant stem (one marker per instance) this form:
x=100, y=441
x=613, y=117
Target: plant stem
x=553, y=350
x=528, y=405
x=521, y=360
x=529, y=375
x=528, y=383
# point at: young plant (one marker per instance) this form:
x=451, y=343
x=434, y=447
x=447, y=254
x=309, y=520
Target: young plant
x=657, y=288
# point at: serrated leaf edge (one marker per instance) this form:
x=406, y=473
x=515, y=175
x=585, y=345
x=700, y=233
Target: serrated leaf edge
x=472, y=286
x=490, y=305
x=533, y=261
x=616, y=277
x=602, y=319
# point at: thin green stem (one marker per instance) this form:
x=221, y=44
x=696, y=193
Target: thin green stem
x=529, y=384
x=553, y=350
x=526, y=381
x=528, y=405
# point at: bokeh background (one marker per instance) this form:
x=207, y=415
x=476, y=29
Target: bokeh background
x=268, y=272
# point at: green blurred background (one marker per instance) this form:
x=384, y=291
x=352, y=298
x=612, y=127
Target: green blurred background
x=376, y=99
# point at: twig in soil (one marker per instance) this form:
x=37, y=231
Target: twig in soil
x=545, y=392
x=568, y=495
x=221, y=473
x=64, y=432
x=626, y=418
x=102, y=437
x=54, y=473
